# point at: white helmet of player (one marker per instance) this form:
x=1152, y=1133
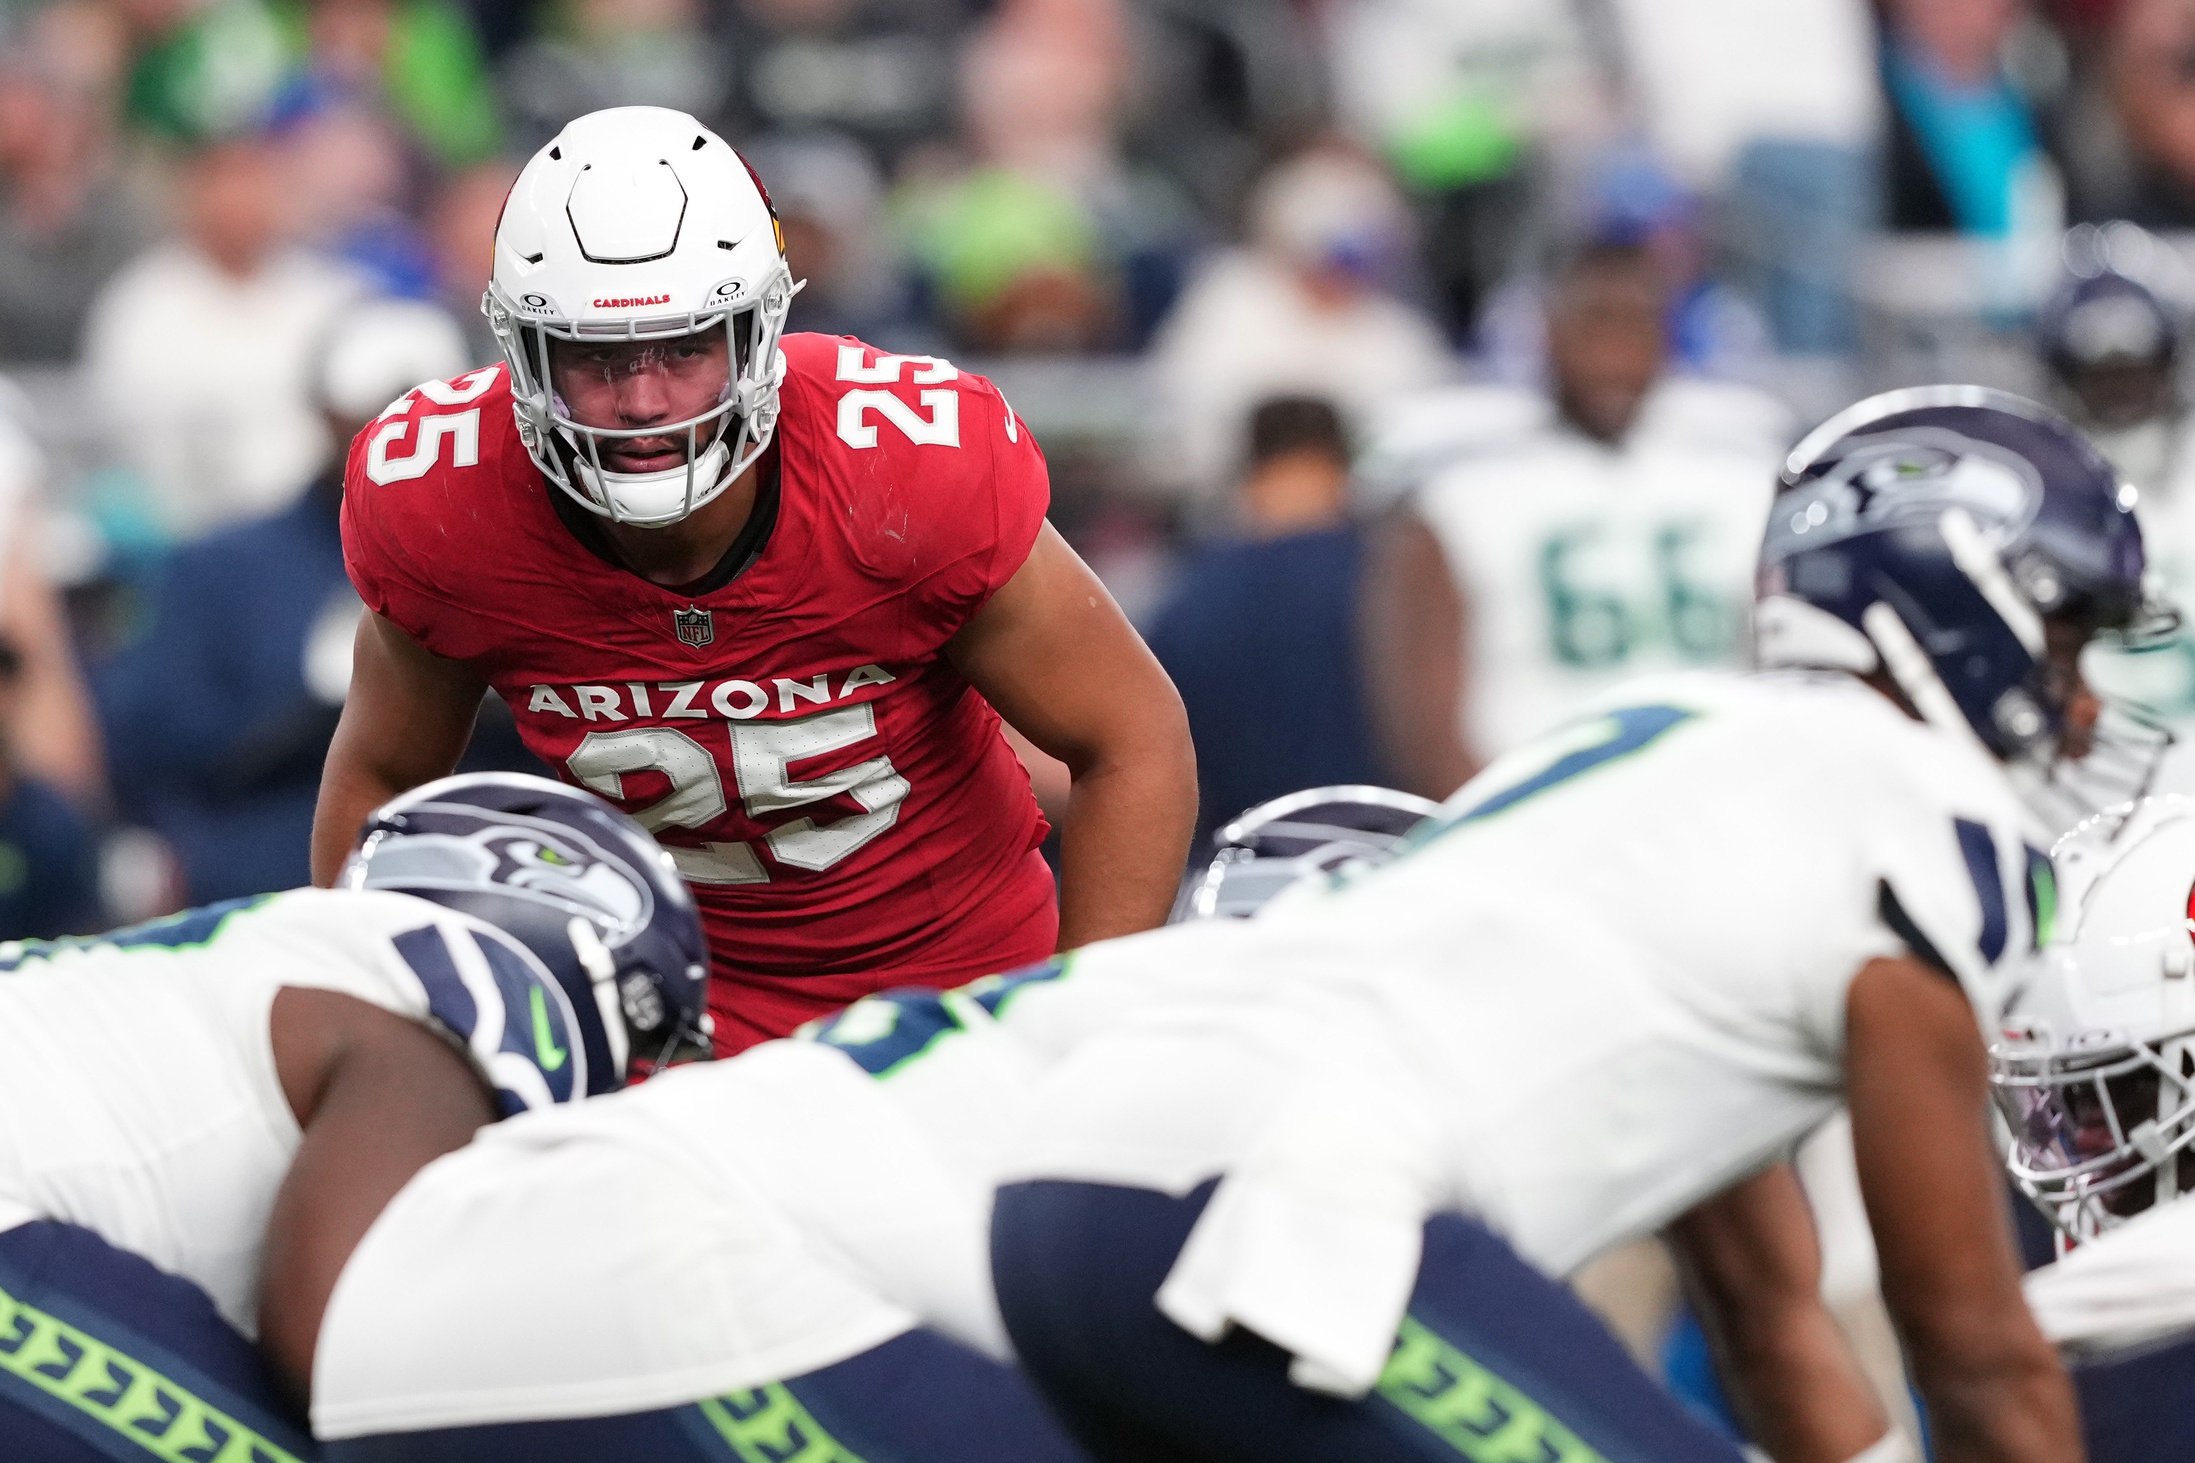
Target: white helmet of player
x=2094, y=1075
x=638, y=224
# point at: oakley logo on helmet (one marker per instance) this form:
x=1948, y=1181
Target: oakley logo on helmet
x=727, y=292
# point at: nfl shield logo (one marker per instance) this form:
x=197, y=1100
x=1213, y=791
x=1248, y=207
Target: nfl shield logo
x=695, y=626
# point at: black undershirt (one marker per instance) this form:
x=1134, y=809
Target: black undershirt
x=746, y=546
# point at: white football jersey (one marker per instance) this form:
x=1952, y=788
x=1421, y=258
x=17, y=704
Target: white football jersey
x=721, y=1227
x=138, y=1093
x=2126, y=1289
x=1582, y=565
x=1610, y=984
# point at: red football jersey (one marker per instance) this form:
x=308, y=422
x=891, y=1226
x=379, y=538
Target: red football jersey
x=839, y=797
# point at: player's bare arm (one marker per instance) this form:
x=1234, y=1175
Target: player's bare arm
x=1415, y=626
x=1062, y=664
x=407, y=720
x=379, y=1097
x=1752, y=1269
x=1916, y=1080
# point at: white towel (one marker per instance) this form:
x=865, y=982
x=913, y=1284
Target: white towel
x=1313, y=1240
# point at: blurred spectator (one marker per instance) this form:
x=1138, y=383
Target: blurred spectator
x=1306, y=306
x=1218, y=86
x=461, y=231
x=880, y=71
x=49, y=862
x=1628, y=197
x=1261, y=635
x=198, y=353
x=220, y=715
x=350, y=184
x=2150, y=75
x=1050, y=242
x=1967, y=146
x=611, y=53
x=1470, y=101
x=49, y=732
x=830, y=201
x=1775, y=109
x=66, y=222
x=204, y=68
x=1527, y=577
x=212, y=70
x=2113, y=350
x=418, y=58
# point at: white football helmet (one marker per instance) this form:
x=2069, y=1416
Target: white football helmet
x=639, y=223
x=2094, y=1075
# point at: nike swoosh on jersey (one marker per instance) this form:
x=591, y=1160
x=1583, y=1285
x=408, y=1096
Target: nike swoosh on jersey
x=546, y=1051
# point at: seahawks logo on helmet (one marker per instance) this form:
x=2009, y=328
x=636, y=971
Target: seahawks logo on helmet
x=1912, y=477
x=558, y=868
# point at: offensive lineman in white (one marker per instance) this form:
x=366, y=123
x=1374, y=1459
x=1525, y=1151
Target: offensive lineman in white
x=1347, y=1146
x=2095, y=1077
x=168, y=1092
x=1300, y=1186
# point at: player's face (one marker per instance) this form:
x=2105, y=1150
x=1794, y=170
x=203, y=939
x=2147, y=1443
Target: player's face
x=622, y=384
x=2063, y=642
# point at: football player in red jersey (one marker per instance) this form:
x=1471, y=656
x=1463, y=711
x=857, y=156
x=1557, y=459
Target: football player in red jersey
x=763, y=592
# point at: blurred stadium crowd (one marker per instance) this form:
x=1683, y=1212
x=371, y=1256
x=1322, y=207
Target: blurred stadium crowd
x=1298, y=297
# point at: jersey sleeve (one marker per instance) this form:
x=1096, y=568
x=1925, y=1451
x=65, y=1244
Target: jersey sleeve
x=1958, y=886
x=1021, y=484
x=945, y=489
x=412, y=510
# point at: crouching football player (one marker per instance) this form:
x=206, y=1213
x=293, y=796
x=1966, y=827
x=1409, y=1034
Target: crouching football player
x=1304, y=1186
x=2096, y=1081
x=499, y=943
x=760, y=1259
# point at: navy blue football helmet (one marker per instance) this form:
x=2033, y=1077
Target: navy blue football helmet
x=1933, y=534
x=577, y=882
x=1288, y=840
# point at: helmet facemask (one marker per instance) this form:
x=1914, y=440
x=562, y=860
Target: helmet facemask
x=719, y=443
x=2100, y=1128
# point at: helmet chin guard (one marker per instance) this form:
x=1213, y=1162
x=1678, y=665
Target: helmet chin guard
x=2094, y=1072
x=639, y=224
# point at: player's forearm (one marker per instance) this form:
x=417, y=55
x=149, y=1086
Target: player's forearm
x=1125, y=838
x=348, y=792
x=2017, y=1410
x=1795, y=1386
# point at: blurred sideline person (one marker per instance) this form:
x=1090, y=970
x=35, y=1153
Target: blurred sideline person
x=198, y=354
x=2113, y=350
x=763, y=590
x=219, y=716
x=737, y=1272
x=49, y=856
x=500, y=943
x=1304, y=1185
x=1544, y=568
x=54, y=733
x=1260, y=635
x=2095, y=1079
